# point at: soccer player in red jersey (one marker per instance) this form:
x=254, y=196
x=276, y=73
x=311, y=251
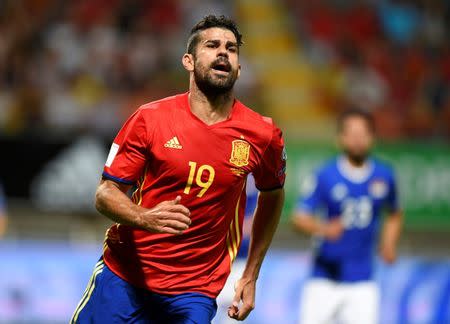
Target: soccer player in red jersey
x=187, y=157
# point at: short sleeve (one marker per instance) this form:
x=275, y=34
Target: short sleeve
x=392, y=201
x=129, y=151
x=271, y=172
x=311, y=197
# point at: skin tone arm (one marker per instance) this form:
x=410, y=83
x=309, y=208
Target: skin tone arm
x=332, y=230
x=3, y=223
x=390, y=235
x=308, y=224
x=265, y=222
x=167, y=217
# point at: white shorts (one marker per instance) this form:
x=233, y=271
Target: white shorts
x=324, y=301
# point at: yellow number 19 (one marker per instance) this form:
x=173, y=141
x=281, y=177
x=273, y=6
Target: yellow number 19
x=198, y=179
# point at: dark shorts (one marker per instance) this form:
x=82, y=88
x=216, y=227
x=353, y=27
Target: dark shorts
x=110, y=299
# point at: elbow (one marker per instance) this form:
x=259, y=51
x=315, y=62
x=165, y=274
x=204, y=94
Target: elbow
x=99, y=199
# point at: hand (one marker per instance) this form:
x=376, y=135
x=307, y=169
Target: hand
x=168, y=217
x=333, y=230
x=388, y=253
x=245, y=292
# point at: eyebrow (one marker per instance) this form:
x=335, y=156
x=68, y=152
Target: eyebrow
x=216, y=41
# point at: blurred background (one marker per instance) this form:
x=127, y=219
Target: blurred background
x=72, y=71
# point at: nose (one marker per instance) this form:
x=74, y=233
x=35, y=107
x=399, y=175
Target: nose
x=222, y=52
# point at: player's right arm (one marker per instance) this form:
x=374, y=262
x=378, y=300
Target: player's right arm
x=169, y=217
x=304, y=219
x=125, y=164
x=311, y=225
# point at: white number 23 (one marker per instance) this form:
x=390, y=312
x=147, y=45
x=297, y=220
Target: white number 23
x=357, y=212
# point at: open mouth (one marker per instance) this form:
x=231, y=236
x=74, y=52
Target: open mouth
x=222, y=66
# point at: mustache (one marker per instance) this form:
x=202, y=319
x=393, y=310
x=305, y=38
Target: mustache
x=221, y=61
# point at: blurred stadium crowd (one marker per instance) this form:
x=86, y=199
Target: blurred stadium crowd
x=389, y=57
x=86, y=65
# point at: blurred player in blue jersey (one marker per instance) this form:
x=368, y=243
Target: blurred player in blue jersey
x=342, y=207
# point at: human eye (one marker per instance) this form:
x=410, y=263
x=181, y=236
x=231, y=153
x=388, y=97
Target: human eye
x=211, y=44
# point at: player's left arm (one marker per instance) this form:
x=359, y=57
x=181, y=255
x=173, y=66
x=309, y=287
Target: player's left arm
x=3, y=213
x=265, y=222
x=269, y=179
x=390, y=236
x=3, y=223
x=392, y=226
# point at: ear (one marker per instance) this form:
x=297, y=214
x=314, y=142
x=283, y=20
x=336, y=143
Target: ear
x=239, y=71
x=188, y=62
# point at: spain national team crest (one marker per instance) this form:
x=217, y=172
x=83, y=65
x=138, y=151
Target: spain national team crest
x=240, y=153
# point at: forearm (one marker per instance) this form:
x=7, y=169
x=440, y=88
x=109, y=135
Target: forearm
x=392, y=229
x=265, y=222
x=111, y=201
x=307, y=224
x=3, y=223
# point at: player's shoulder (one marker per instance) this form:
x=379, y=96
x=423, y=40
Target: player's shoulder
x=383, y=166
x=255, y=120
x=328, y=167
x=324, y=171
x=160, y=106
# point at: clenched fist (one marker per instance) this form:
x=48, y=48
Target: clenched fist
x=168, y=217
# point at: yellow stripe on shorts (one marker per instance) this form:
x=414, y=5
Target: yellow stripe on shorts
x=88, y=291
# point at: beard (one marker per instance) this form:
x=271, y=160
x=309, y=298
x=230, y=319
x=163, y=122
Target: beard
x=212, y=84
x=357, y=158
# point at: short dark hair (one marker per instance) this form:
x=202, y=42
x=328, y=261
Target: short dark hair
x=349, y=113
x=212, y=21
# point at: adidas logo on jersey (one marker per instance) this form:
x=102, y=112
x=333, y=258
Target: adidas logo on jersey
x=173, y=143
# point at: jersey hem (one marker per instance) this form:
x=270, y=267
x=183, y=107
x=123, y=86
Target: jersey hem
x=270, y=189
x=156, y=291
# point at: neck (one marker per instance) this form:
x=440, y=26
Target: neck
x=210, y=108
x=356, y=163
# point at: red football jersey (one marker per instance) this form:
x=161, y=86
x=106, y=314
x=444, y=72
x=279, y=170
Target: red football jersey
x=165, y=151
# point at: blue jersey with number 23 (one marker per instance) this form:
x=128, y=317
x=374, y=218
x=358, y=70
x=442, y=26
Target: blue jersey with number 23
x=358, y=198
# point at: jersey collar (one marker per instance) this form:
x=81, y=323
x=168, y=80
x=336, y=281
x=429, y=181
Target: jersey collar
x=186, y=106
x=353, y=174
